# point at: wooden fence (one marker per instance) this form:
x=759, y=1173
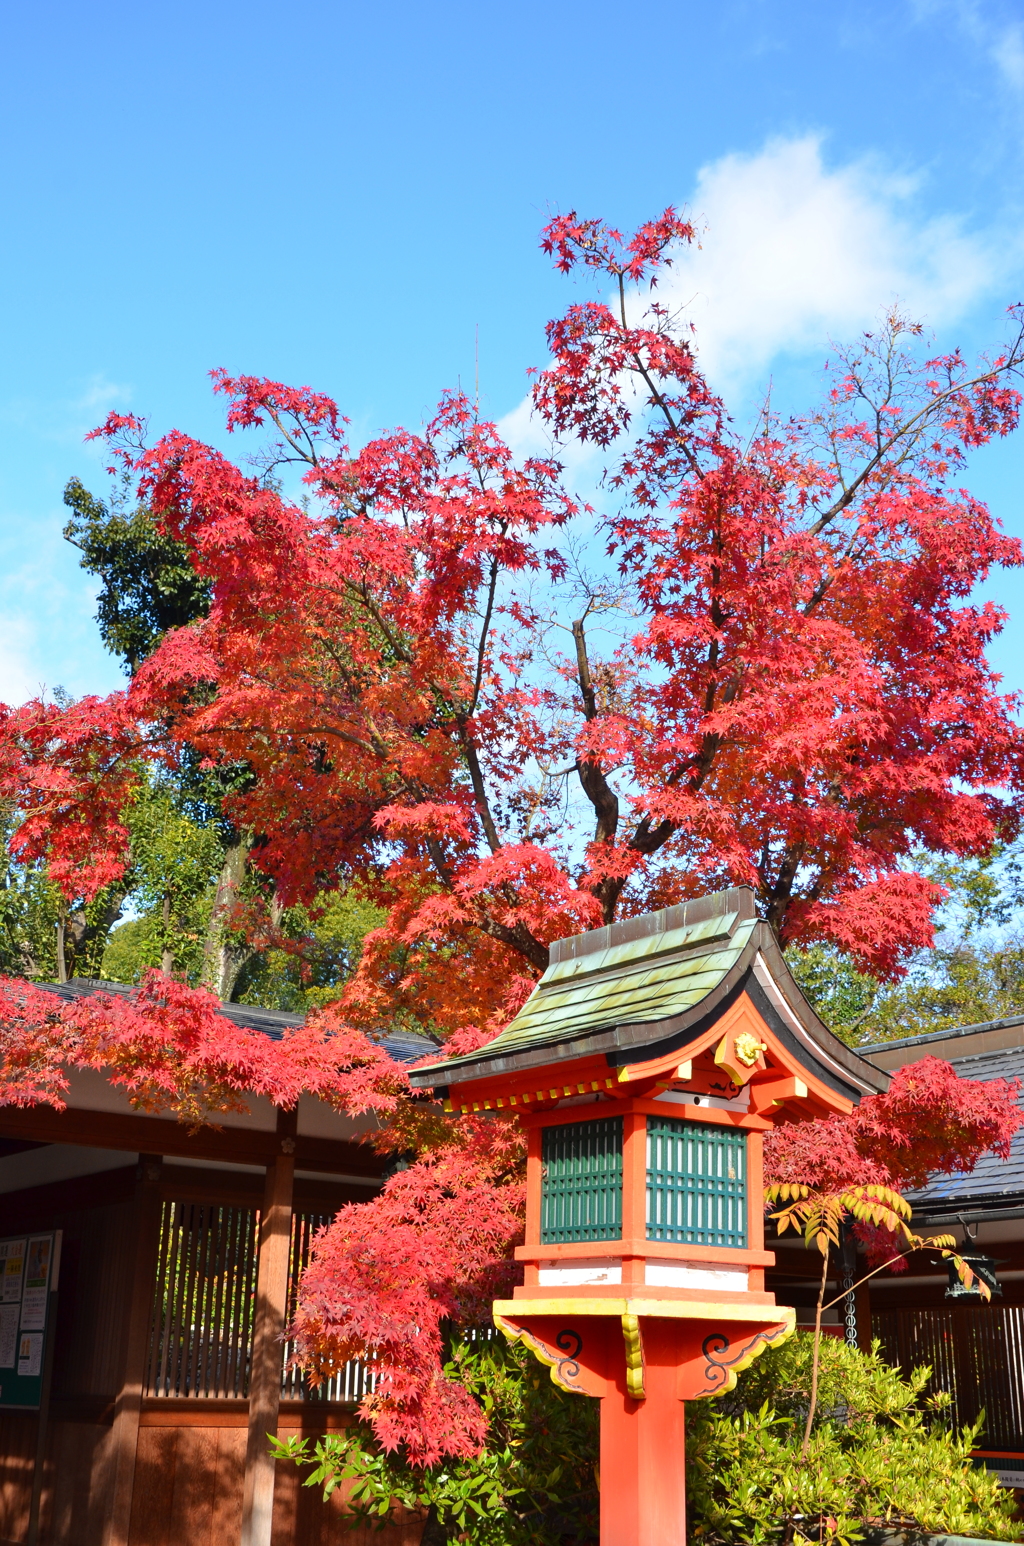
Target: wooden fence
x=201, y=1333
x=975, y=1352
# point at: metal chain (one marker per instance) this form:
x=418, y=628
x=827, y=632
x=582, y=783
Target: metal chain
x=846, y=1283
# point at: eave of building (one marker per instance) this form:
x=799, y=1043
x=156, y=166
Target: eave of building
x=956, y=1042
x=98, y=1115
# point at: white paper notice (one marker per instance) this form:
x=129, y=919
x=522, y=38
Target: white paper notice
x=30, y=1354
x=12, y=1259
x=37, y=1274
x=33, y=1309
x=8, y=1335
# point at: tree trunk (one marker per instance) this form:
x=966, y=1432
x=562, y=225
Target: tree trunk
x=87, y=940
x=166, y=953
x=434, y=1532
x=62, y=960
x=222, y=959
x=815, y=1361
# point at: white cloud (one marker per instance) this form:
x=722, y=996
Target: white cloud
x=794, y=253
x=18, y=680
x=48, y=633
x=1007, y=50
x=986, y=25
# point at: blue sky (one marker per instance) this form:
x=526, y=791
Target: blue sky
x=340, y=195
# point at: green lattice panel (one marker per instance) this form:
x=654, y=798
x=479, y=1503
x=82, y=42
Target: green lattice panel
x=581, y=1188
x=696, y=1183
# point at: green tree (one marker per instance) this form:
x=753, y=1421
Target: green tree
x=315, y=952
x=975, y=972
x=148, y=584
x=42, y=934
x=175, y=864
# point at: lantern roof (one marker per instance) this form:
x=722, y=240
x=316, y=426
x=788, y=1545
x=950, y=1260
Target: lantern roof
x=652, y=985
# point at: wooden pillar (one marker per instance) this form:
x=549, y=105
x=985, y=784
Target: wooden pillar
x=643, y=1474
x=271, y=1307
x=634, y=1196
x=39, y=1473
x=128, y=1407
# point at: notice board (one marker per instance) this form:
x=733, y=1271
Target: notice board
x=29, y=1266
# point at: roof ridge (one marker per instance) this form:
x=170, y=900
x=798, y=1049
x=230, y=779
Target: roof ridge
x=737, y=899
x=977, y=1028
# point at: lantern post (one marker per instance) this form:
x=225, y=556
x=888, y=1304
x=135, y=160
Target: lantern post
x=645, y=1069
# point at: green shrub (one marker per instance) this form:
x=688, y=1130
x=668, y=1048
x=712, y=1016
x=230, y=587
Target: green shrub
x=882, y=1455
x=534, y=1484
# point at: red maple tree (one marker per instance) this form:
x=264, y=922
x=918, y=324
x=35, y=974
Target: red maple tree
x=508, y=717
x=928, y=1122
x=774, y=674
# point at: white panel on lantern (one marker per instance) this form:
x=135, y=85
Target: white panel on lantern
x=666, y=1273
x=599, y=1269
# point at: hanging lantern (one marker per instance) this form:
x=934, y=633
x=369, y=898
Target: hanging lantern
x=984, y=1269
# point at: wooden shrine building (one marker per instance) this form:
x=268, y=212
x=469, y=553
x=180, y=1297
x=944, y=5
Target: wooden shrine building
x=975, y=1348
x=179, y=1253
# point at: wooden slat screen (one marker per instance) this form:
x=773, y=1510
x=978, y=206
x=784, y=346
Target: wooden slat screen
x=201, y=1336
x=581, y=1181
x=696, y=1183
x=355, y=1379
x=976, y=1353
x=204, y=1305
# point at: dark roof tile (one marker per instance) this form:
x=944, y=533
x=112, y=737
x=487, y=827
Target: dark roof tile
x=992, y=1178
x=403, y=1046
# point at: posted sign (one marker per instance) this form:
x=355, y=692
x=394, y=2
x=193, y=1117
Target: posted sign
x=29, y=1265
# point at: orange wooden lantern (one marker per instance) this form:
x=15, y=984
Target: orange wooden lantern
x=645, y=1067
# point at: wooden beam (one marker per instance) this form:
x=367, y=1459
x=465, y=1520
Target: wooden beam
x=128, y=1406
x=162, y=1135
x=34, y=1206
x=271, y=1308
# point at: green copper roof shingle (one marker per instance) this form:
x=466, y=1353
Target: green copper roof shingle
x=647, y=979
x=649, y=982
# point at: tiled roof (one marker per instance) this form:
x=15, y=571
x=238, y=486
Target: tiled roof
x=600, y=980
x=993, y=1182
x=644, y=980
x=403, y=1046
x=649, y=983
x=978, y=1028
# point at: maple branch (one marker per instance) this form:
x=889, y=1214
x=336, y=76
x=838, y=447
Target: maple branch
x=482, y=648
x=826, y=582
x=440, y=863
x=656, y=396
x=519, y=939
x=479, y=787
x=403, y=652
x=782, y=890
x=905, y=430
x=595, y=785
x=309, y=456
x=198, y=732
x=647, y=839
